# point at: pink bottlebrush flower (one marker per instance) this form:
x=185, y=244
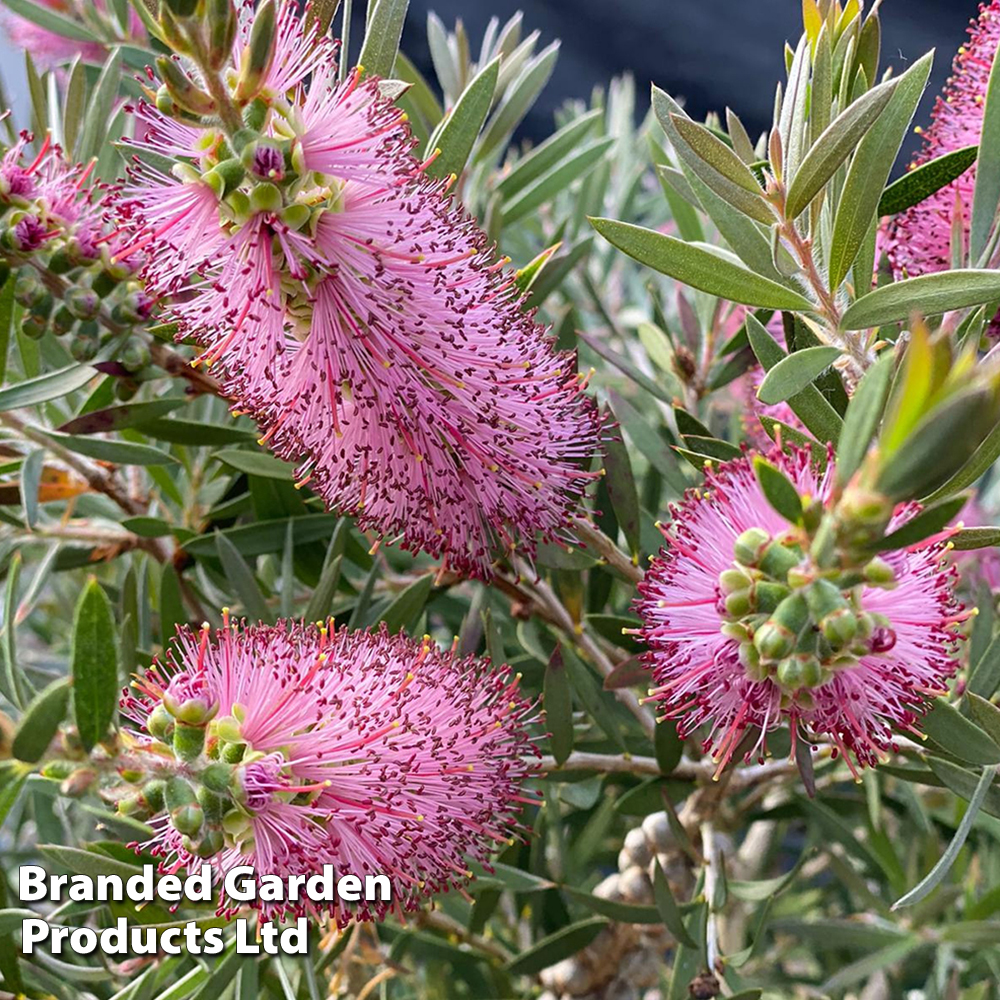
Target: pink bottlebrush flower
x=362, y=318
x=370, y=752
x=49, y=48
x=918, y=241
x=700, y=630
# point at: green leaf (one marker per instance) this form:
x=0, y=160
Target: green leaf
x=462, y=126
x=937, y=874
x=794, y=372
x=668, y=747
x=406, y=607
x=698, y=268
x=6, y=322
x=382, y=35
x=982, y=459
x=628, y=913
x=545, y=156
x=256, y=463
x=985, y=714
x=866, y=967
x=956, y=734
x=521, y=95
x=620, y=483
x=195, y=433
x=975, y=538
x=832, y=148
x=147, y=527
x=51, y=20
x=323, y=593
x=645, y=437
x=558, y=702
x=242, y=579
x=916, y=185
x=266, y=536
x=556, y=181
x=626, y=367
x=41, y=720
x=669, y=911
x=84, y=862
x=870, y=168
x=862, y=417
x=31, y=474
x=114, y=418
x=119, y=452
x=99, y=108
x=964, y=783
x=778, y=489
x=509, y=877
x=929, y=521
x=565, y=942
x=171, y=605
x=809, y=405
x=985, y=677
x=41, y=389
x=95, y=666
x=986, y=194
x=927, y=294
x=716, y=153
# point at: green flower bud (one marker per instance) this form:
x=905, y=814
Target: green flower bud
x=773, y=641
x=223, y=23
x=733, y=581
x=135, y=354
x=62, y=321
x=182, y=89
x=259, y=53
x=86, y=343
x=778, y=559
x=295, y=216
x=155, y=793
x=187, y=819
x=165, y=103
x=83, y=303
x=751, y=662
x=104, y=283
x=225, y=177
x=179, y=792
x=218, y=777
x=739, y=604
x=132, y=776
x=750, y=545
x=736, y=631
x=879, y=573
x=232, y=753
x=839, y=627
x=266, y=198
x=125, y=389
x=767, y=596
x=28, y=290
x=213, y=804
x=800, y=671
x=206, y=846
x=78, y=782
x=255, y=114
x=823, y=597
x=134, y=806
x=189, y=741
x=34, y=327
x=58, y=769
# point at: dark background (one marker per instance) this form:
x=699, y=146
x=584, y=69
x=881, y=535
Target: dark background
x=713, y=53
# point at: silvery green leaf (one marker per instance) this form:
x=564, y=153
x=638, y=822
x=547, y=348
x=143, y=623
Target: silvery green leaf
x=986, y=195
x=792, y=123
x=102, y=100
x=698, y=267
x=716, y=153
x=382, y=35
x=461, y=127
x=833, y=147
x=740, y=139
x=870, y=169
x=794, y=372
x=927, y=294
x=916, y=185
x=442, y=57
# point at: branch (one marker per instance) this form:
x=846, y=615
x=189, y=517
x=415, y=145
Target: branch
x=596, y=540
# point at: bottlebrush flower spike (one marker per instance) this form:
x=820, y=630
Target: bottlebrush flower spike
x=738, y=643
x=370, y=752
x=361, y=317
x=918, y=241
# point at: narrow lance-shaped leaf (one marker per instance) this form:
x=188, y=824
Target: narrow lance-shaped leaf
x=698, y=268
x=778, y=490
x=558, y=707
x=95, y=666
x=833, y=147
x=927, y=294
x=986, y=194
x=462, y=126
x=794, y=372
x=862, y=418
x=622, y=489
x=947, y=726
x=923, y=181
x=870, y=169
x=41, y=721
x=382, y=35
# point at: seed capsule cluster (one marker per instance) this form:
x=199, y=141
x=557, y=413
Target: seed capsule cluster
x=795, y=624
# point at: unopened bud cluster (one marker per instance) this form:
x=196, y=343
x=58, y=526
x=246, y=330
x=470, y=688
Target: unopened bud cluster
x=66, y=279
x=797, y=625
